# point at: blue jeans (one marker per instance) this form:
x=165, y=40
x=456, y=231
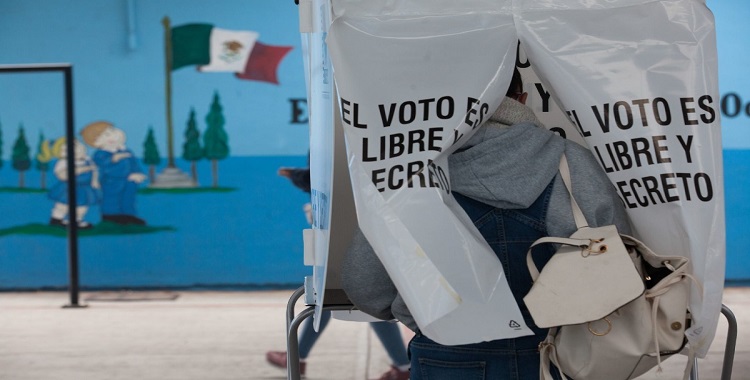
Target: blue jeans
x=510, y=233
x=308, y=336
x=388, y=333
x=516, y=359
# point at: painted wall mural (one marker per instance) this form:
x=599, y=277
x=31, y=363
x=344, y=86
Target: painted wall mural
x=180, y=128
x=184, y=112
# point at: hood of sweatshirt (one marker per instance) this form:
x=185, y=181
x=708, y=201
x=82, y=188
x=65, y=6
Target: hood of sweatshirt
x=509, y=161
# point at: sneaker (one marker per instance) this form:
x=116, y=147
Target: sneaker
x=119, y=219
x=278, y=359
x=84, y=225
x=132, y=219
x=395, y=374
x=58, y=222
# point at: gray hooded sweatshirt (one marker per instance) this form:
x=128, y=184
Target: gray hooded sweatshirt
x=507, y=163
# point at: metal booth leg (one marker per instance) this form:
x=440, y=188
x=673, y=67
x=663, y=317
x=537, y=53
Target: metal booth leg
x=290, y=306
x=292, y=352
x=729, y=348
x=292, y=346
x=726, y=371
x=694, y=370
x=292, y=325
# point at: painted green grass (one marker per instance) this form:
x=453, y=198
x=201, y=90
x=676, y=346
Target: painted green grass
x=101, y=229
x=8, y=189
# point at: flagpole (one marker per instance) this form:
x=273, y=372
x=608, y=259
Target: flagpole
x=168, y=89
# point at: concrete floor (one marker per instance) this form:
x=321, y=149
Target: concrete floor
x=220, y=335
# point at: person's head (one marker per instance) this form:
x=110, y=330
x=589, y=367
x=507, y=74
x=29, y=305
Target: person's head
x=60, y=149
x=515, y=89
x=103, y=135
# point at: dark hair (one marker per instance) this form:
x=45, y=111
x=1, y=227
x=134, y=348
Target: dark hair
x=516, y=84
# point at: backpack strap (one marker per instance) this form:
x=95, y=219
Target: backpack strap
x=565, y=174
x=547, y=355
x=580, y=220
x=533, y=270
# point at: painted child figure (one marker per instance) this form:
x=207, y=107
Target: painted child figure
x=119, y=171
x=86, y=184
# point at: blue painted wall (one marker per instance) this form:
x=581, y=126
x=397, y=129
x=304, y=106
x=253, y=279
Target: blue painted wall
x=248, y=233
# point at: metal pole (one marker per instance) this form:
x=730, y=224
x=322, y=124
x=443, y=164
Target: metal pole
x=726, y=371
x=292, y=344
x=290, y=306
x=168, y=87
x=292, y=341
x=72, y=202
x=694, y=371
x=67, y=70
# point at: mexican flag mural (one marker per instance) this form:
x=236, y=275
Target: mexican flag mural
x=214, y=49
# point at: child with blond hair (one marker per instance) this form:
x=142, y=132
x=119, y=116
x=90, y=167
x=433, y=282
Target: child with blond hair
x=86, y=184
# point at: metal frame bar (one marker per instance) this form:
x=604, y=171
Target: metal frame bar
x=729, y=348
x=67, y=70
x=293, y=322
x=292, y=325
x=731, y=345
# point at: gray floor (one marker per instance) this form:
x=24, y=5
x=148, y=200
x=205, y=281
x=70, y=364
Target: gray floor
x=219, y=335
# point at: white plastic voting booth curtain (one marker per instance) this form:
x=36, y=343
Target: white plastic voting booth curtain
x=635, y=81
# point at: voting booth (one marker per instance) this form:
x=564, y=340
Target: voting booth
x=394, y=87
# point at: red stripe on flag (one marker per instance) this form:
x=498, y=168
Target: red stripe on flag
x=263, y=62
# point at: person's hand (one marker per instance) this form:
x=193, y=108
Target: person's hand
x=119, y=156
x=300, y=177
x=84, y=169
x=285, y=172
x=137, y=177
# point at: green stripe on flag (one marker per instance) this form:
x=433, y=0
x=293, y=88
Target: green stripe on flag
x=190, y=45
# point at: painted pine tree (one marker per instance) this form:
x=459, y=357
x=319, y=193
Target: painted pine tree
x=42, y=159
x=191, y=149
x=20, y=158
x=215, y=139
x=151, y=155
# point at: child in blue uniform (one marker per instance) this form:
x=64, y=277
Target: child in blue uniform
x=86, y=184
x=119, y=172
